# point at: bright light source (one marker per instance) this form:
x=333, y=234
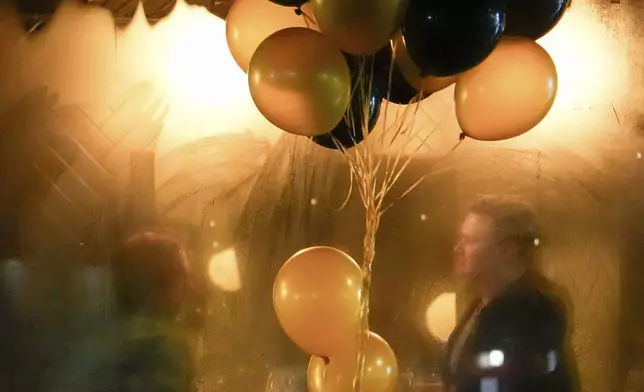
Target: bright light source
x=582, y=48
x=492, y=359
x=440, y=317
x=223, y=270
x=186, y=57
x=200, y=72
x=496, y=358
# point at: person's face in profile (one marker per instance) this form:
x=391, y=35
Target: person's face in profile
x=477, y=251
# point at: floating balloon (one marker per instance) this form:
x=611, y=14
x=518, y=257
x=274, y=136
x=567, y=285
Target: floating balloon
x=380, y=369
x=447, y=37
x=533, y=18
x=249, y=22
x=317, y=299
x=388, y=78
x=290, y=3
x=509, y=93
x=360, y=27
x=411, y=72
x=363, y=111
x=300, y=81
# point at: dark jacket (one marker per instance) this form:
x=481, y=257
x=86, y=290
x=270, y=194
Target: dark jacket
x=519, y=343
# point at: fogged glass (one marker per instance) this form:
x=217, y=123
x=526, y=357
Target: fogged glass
x=104, y=132
x=287, y=380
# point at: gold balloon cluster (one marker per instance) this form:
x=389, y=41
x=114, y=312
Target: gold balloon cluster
x=300, y=81
x=298, y=77
x=411, y=72
x=317, y=299
x=509, y=93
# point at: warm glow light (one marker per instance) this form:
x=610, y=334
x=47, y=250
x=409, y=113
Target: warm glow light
x=187, y=59
x=587, y=60
x=223, y=270
x=195, y=62
x=440, y=317
x=593, y=73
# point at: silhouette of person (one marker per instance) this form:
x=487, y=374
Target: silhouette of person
x=514, y=335
x=141, y=351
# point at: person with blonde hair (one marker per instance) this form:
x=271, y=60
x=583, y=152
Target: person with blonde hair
x=514, y=335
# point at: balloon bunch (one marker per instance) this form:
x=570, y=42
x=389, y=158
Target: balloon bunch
x=300, y=58
x=317, y=296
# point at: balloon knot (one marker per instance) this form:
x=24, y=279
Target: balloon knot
x=298, y=11
x=327, y=360
x=462, y=136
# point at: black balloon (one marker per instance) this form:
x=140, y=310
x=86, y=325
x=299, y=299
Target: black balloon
x=349, y=132
x=447, y=37
x=395, y=89
x=290, y=3
x=533, y=18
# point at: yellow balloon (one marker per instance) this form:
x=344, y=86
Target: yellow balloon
x=380, y=369
x=317, y=299
x=300, y=81
x=509, y=93
x=360, y=27
x=411, y=72
x=249, y=22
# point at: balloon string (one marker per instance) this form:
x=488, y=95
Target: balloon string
x=374, y=173
x=307, y=19
x=369, y=244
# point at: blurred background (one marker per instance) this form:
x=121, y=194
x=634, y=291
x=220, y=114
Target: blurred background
x=116, y=115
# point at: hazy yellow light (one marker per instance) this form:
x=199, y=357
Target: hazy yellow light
x=440, y=316
x=223, y=270
x=586, y=57
x=200, y=72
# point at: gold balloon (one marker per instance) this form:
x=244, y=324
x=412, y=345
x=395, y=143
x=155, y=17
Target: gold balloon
x=411, y=72
x=249, y=22
x=360, y=27
x=317, y=299
x=509, y=93
x=300, y=81
x=380, y=369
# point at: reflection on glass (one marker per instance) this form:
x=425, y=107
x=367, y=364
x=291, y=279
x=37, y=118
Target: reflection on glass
x=290, y=379
x=440, y=317
x=223, y=270
x=420, y=381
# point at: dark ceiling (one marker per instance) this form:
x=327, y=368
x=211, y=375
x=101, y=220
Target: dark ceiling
x=39, y=11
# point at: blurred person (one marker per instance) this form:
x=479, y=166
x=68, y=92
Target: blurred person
x=141, y=351
x=513, y=337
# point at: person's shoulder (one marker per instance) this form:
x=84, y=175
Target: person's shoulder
x=536, y=302
x=553, y=299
